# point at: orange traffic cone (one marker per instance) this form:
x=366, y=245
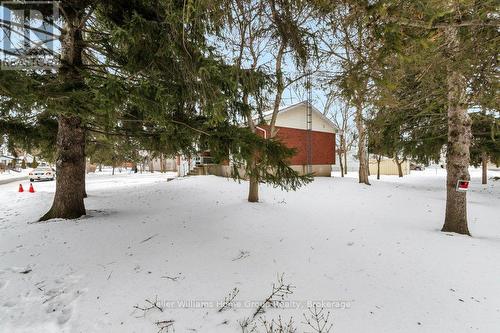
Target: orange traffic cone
x=21, y=188
x=31, y=190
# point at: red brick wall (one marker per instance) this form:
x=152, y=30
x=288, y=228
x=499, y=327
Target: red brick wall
x=323, y=145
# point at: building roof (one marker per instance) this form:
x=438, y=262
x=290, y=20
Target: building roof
x=268, y=114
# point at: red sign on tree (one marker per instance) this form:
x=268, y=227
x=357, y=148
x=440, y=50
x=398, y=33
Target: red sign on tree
x=462, y=185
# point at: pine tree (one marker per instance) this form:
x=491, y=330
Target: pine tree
x=91, y=81
x=260, y=29
x=485, y=145
x=34, y=164
x=453, y=41
x=139, y=72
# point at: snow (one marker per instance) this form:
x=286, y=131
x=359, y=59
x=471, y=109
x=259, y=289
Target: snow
x=375, y=251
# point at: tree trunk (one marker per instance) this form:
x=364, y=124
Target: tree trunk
x=363, y=163
x=70, y=181
x=345, y=159
x=280, y=87
x=70, y=145
x=399, y=164
x=85, y=168
x=162, y=166
x=253, y=190
x=379, y=158
x=253, y=184
x=459, y=139
x=84, y=185
x=484, y=165
x=339, y=154
x=341, y=164
x=100, y=167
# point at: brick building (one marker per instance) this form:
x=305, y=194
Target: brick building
x=305, y=128
x=300, y=126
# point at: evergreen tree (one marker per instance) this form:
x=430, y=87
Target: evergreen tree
x=102, y=44
x=485, y=145
x=260, y=28
x=348, y=45
x=34, y=164
x=452, y=41
x=139, y=72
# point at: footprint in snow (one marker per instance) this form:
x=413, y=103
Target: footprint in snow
x=64, y=316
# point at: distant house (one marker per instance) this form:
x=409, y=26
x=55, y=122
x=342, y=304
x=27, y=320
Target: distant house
x=389, y=167
x=6, y=160
x=312, y=136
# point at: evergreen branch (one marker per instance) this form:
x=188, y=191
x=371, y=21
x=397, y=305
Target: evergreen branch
x=190, y=127
x=8, y=24
x=430, y=26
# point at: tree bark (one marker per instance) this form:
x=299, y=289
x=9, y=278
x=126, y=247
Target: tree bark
x=484, y=166
x=399, y=164
x=253, y=190
x=363, y=163
x=340, y=157
x=85, y=168
x=162, y=164
x=459, y=139
x=84, y=186
x=70, y=181
x=70, y=145
x=379, y=158
x=253, y=184
x=345, y=158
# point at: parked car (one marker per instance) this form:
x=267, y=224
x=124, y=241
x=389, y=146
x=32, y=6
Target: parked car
x=42, y=173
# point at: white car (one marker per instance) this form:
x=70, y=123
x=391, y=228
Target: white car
x=42, y=173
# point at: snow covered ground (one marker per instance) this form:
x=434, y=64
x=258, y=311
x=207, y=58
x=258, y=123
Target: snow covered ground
x=373, y=255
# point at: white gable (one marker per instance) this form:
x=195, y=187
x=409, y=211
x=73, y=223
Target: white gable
x=295, y=116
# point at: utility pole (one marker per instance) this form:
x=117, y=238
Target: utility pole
x=309, y=120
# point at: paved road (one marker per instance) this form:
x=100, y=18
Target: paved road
x=14, y=179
